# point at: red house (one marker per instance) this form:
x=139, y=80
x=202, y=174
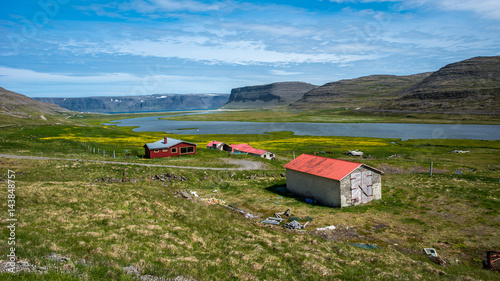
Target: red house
x=169, y=147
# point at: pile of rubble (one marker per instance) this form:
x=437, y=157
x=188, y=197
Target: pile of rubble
x=27, y=267
x=136, y=271
x=278, y=218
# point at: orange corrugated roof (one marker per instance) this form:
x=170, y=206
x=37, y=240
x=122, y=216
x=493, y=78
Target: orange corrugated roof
x=323, y=166
x=245, y=147
x=213, y=142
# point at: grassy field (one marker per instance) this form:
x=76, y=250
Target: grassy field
x=115, y=216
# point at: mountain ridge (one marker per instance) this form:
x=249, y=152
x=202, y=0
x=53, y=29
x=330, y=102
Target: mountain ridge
x=274, y=94
x=471, y=86
x=357, y=92
x=20, y=106
x=157, y=102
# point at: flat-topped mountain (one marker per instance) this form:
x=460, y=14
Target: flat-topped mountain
x=282, y=93
x=358, y=92
x=141, y=103
x=469, y=86
x=20, y=106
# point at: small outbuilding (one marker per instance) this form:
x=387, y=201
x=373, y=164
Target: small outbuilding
x=168, y=147
x=333, y=182
x=245, y=148
x=219, y=146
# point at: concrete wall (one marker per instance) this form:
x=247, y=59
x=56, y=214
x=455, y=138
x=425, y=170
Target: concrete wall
x=325, y=191
x=345, y=186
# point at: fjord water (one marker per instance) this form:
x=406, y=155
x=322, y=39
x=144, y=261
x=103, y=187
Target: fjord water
x=375, y=130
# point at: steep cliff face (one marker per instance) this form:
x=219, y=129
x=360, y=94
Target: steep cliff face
x=357, y=92
x=282, y=93
x=469, y=86
x=141, y=103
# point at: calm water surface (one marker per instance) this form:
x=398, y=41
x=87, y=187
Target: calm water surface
x=376, y=130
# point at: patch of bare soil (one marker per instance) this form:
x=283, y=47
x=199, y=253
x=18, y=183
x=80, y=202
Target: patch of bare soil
x=341, y=234
x=246, y=164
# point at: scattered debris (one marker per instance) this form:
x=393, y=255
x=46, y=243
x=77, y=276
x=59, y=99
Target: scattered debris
x=310, y=201
x=245, y=213
x=251, y=216
x=295, y=225
x=213, y=201
x=277, y=217
x=331, y=227
x=460, y=151
x=285, y=214
x=132, y=270
x=433, y=256
x=430, y=251
x=354, y=153
x=364, y=246
x=492, y=261
x=194, y=193
x=272, y=220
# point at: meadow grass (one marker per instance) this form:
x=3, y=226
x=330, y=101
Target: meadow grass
x=69, y=207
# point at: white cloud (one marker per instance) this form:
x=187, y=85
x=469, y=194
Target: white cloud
x=8, y=74
x=156, y=81
x=154, y=6
x=233, y=52
x=485, y=8
x=284, y=73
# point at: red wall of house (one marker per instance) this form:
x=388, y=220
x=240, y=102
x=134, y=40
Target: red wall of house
x=168, y=153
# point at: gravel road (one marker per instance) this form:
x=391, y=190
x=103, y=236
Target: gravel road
x=244, y=164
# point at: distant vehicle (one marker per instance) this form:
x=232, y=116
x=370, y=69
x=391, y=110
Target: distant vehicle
x=354, y=153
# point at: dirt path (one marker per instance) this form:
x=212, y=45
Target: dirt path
x=244, y=164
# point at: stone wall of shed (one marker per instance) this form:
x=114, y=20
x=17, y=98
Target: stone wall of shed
x=345, y=186
x=325, y=191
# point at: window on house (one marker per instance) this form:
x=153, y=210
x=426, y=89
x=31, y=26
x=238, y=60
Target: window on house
x=156, y=150
x=165, y=149
x=188, y=149
x=174, y=150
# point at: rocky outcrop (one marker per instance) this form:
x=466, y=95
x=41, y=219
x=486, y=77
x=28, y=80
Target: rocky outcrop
x=140, y=103
x=282, y=93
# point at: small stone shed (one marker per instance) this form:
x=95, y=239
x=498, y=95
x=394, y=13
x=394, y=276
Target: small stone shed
x=333, y=182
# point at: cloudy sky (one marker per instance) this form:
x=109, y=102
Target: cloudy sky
x=70, y=48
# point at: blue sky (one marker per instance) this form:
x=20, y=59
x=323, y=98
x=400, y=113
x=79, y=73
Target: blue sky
x=71, y=48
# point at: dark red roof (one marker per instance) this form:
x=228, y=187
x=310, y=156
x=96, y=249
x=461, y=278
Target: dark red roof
x=323, y=166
